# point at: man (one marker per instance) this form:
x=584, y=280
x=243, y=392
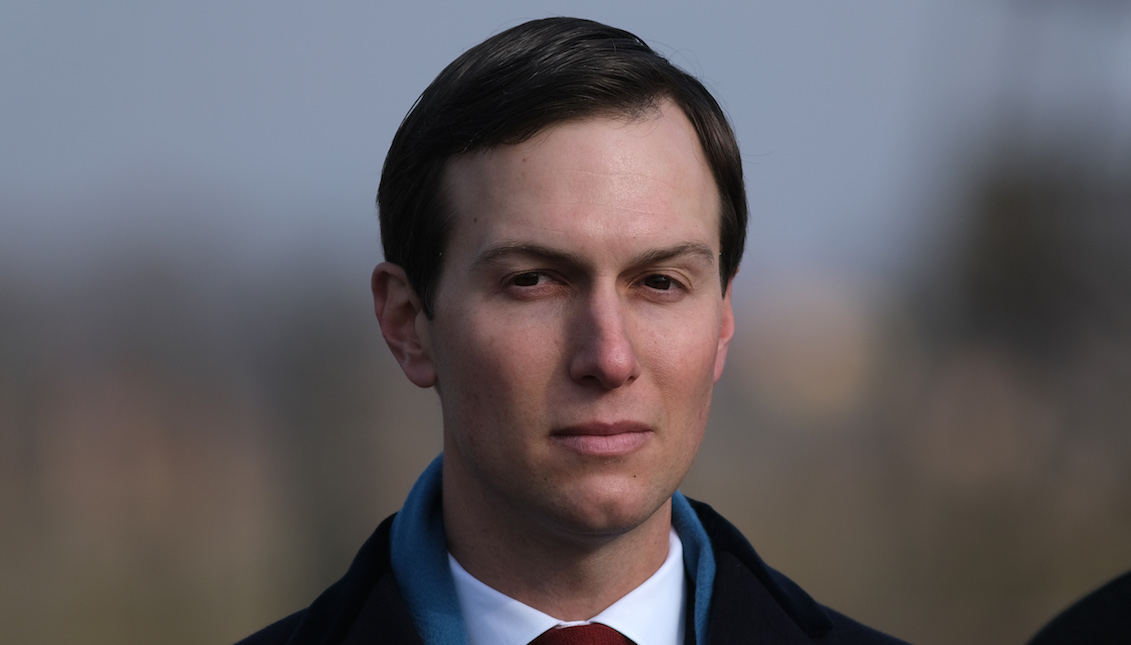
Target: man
x=562, y=215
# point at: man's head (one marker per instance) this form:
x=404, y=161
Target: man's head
x=516, y=84
x=569, y=247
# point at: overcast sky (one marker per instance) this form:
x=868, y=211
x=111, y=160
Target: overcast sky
x=266, y=122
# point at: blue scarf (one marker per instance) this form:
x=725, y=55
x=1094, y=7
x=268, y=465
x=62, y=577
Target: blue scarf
x=419, y=555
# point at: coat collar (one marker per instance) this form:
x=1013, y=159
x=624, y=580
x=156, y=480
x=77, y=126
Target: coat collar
x=749, y=597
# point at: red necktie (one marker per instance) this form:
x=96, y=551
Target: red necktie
x=592, y=634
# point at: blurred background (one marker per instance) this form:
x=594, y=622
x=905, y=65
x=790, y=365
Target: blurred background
x=925, y=417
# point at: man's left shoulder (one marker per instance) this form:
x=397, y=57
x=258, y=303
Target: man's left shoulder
x=750, y=597
x=276, y=633
x=846, y=631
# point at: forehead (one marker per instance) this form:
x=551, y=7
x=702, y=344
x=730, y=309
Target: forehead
x=607, y=177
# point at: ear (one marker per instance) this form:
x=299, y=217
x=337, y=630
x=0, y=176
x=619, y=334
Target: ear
x=726, y=332
x=403, y=323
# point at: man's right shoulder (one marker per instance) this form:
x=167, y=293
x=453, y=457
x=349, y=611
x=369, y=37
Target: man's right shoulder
x=365, y=605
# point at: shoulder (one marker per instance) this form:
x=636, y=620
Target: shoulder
x=277, y=632
x=751, y=597
x=1100, y=617
x=364, y=604
x=846, y=631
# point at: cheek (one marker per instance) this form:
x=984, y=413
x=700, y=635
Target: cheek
x=684, y=376
x=684, y=362
x=498, y=368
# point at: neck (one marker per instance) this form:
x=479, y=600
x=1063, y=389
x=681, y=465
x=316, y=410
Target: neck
x=562, y=571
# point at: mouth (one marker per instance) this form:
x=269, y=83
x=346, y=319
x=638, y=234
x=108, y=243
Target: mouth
x=603, y=439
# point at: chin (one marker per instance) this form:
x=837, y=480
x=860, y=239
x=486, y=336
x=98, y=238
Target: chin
x=605, y=513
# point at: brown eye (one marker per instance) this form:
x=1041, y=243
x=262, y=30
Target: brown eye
x=526, y=280
x=659, y=282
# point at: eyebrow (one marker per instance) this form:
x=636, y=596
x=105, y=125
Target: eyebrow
x=504, y=250
x=499, y=252
x=693, y=249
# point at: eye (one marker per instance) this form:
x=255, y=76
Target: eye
x=533, y=285
x=529, y=279
x=659, y=282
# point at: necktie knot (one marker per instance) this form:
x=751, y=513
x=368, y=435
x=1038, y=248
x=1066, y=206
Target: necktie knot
x=592, y=634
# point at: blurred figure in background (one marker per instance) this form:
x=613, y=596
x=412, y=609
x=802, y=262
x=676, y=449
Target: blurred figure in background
x=1103, y=617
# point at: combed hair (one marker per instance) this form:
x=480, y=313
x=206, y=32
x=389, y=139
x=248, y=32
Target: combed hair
x=512, y=86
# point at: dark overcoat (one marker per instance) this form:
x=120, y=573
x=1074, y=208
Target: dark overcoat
x=750, y=603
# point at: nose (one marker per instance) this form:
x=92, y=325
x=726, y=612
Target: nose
x=602, y=348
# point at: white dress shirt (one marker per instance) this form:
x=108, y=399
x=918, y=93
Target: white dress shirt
x=651, y=614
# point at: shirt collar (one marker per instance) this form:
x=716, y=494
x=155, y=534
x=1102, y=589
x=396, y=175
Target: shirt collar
x=652, y=614
x=418, y=555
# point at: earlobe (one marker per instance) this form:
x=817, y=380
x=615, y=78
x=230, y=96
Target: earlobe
x=726, y=332
x=398, y=312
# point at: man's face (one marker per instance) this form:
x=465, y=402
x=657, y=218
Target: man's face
x=579, y=326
